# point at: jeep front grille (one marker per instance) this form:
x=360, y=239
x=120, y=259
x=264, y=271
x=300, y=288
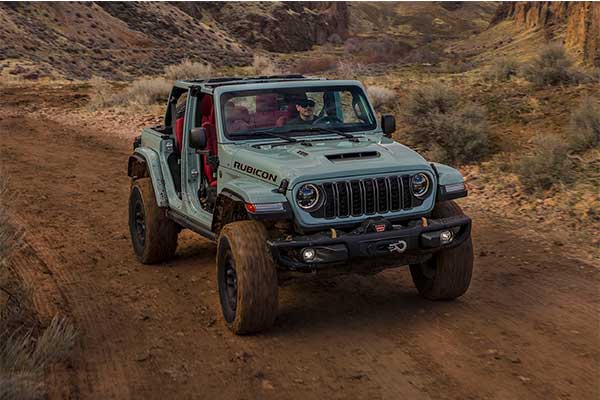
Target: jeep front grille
x=366, y=197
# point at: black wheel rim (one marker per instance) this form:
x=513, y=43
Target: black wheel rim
x=139, y=222
x=228, y=284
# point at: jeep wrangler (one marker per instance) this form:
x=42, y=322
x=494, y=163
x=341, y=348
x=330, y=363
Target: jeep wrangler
x=291, y=175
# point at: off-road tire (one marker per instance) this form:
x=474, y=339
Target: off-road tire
x=158, y=240
x=447, y=274
x=243, y=246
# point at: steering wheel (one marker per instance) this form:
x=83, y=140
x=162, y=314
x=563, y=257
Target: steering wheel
x=328, y=119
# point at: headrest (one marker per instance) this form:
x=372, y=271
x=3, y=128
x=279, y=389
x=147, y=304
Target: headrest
x=266, y=103
x=238, y=113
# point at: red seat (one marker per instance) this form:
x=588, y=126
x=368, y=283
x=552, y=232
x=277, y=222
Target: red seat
x=208, y=123
x=179, y=134
x=267, y=111
x=238, y=119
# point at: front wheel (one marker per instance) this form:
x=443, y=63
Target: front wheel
x=247, y=278
x=153, y=234
x=446, y=275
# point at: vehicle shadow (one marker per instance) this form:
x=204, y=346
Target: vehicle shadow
x=384, y=301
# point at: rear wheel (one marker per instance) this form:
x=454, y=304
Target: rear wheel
x=447, y=274
x=246, y=277
x=153, y=234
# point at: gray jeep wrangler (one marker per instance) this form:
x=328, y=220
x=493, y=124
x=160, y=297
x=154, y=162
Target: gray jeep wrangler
x=293, y=175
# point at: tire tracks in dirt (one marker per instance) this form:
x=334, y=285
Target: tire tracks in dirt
x=527, y=328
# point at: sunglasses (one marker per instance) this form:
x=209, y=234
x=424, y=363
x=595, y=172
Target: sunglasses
x=306, y=103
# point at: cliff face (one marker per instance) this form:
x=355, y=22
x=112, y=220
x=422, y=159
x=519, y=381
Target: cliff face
x=580, y=22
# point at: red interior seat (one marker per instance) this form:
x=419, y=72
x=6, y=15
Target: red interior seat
x=179, y=134
x=267, y=111
x=208, y=123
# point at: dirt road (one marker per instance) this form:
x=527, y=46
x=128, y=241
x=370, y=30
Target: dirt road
x=528, y=327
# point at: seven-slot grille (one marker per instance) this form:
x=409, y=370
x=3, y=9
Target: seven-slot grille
x=366, y=197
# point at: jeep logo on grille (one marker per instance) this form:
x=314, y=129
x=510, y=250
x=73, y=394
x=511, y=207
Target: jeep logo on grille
x=255, y=171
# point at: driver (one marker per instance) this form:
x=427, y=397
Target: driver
x=306, y=112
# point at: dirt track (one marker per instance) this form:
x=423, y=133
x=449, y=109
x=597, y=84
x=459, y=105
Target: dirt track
x=528, y=327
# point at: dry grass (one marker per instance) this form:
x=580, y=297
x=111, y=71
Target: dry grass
x=24, y=354
x=188, y=69
x=381, y=97
x=436, y=119
x=263, y=65
x=141, y=92
x=316, y=64
x=375, y=51
x=584, y=127
x=24, y=358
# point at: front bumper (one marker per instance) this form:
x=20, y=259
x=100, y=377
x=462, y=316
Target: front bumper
x=397, y=245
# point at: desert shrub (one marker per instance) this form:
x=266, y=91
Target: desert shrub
x=263, y=65
x=372, y=51
x=551, y=67
x=316, y=64
x=347, y=70
x=427, y=100
x=546, y=165
x=143, y=91
x=584, y=127
x=427, y=54
x=502, y=70
x=148, y=91
x=456, y=133
x=188, y=69
x=381, y=97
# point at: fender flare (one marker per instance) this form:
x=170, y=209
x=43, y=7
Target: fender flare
x=149, y=158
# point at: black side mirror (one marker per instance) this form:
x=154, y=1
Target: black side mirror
x=198, y=138
x=388, y=125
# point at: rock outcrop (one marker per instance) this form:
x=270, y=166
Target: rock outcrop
x=579, y=22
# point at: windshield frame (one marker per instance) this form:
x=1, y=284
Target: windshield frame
x=317, y=85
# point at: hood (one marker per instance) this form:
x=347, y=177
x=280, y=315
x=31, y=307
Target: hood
x=327, y=159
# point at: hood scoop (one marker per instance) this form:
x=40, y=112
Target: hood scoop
x=353, y=156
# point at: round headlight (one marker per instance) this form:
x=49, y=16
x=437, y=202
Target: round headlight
x=308, y=196
x=419, y=185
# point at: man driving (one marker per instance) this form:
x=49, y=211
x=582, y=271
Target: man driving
x=306, y=112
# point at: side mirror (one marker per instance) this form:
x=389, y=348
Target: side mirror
x=198, y=138
x=388, y=125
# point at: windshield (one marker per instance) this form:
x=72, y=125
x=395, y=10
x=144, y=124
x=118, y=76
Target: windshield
x=301, y=111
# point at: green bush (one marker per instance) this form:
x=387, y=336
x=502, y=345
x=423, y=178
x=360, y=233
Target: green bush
x=455, y=132
x=546, y=165
x=552, y=67
x=584, y=127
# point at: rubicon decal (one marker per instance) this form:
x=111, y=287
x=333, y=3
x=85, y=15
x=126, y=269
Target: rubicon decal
x=255, y=171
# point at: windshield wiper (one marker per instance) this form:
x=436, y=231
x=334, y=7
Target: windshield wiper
x=324, y=129
x=269, y=132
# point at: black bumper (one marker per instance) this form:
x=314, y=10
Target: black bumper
x=397, y=245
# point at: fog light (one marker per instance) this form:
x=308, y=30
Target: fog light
x=308, y=254
x=446, y=237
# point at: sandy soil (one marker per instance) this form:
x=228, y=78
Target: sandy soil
x=527, y=328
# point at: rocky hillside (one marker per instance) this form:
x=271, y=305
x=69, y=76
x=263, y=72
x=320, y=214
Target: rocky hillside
x=577, y=23
x=117, y=40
